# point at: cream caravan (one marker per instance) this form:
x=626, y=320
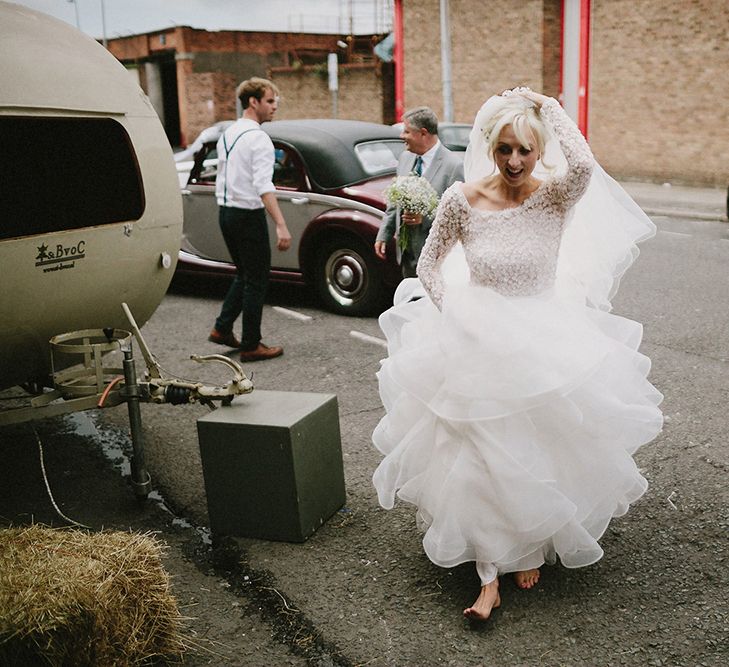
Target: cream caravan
x=90, y=210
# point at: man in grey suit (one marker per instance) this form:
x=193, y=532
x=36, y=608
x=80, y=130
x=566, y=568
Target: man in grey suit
x=427, y=157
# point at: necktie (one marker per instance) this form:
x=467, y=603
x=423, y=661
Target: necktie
x=418, y=167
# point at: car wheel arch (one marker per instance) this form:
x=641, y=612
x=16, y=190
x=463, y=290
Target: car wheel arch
x=341, y=265
x=327, y=228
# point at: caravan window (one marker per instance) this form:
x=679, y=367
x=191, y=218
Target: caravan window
x=66, y=173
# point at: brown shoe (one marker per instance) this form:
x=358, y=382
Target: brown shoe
x=228, y=339
x=260, y=353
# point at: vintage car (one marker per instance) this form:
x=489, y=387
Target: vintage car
x=454, y=135
x=329, y=176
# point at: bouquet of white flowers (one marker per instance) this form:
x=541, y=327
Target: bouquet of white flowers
x=412, y=194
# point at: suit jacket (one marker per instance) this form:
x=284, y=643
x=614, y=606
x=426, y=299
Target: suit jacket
x=445, y=168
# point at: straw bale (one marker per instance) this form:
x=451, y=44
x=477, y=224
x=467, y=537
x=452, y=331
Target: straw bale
x=69, y=597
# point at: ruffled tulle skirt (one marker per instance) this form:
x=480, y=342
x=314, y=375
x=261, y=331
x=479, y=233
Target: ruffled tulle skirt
x=510, y=424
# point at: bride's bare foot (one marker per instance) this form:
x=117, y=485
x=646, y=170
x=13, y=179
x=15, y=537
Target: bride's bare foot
x=487, y=600
x=526, y=578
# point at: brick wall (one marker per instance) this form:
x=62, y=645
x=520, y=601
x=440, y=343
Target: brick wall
x=263, y=43
x=189, y=40
x=658, y=81
x=551, y=47
x=659, y=70
x=209, y=97
x=210, y=65
x=305, y=93
x=494, y=45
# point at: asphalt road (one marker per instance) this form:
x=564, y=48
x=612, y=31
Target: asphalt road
x=360, y=591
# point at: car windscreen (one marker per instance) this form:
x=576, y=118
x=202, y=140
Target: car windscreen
x=377, y=157
x=66, y=173
x=455, y=136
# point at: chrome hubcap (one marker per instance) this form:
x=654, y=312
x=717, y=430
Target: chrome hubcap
x=346, y=276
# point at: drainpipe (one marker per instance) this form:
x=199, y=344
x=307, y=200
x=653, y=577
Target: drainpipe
x=399, y=62
x=445, y=57
x=103, y=25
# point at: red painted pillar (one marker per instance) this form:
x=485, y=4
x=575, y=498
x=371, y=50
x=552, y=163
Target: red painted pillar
x=398, y=58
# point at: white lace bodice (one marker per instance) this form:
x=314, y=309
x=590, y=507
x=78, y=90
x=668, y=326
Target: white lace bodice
x=513, y=250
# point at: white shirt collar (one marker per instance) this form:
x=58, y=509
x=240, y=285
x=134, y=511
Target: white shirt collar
x=429, y=155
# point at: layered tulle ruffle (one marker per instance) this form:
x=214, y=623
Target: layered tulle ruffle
x=511, y=424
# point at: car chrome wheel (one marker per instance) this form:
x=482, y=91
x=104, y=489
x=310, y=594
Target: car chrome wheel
x=347, y=278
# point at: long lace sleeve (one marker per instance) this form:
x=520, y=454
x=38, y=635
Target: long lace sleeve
x=444, y=234
x=569, y=187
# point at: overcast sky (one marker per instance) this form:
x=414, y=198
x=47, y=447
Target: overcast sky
x=128, y=17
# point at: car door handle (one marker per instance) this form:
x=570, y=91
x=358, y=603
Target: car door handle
x=299, y=200
x=186, y=193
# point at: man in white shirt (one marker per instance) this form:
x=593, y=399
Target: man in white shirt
x=427, y=157
x=245, y=192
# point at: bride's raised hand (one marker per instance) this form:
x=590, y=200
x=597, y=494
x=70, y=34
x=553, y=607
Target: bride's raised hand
x=537, y=98
x=527, y=93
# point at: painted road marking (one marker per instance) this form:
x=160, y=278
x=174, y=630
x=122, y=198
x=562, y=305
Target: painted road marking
x=367, y=338
x=293, y=314
x=663, y=231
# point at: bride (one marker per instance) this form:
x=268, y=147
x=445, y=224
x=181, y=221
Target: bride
x=514, y=399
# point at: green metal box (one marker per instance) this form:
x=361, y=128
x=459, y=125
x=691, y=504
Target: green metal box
x=272, y=463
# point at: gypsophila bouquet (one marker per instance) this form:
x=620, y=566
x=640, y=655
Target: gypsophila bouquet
x=411, y=194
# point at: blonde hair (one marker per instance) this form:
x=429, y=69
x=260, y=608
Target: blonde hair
x=524, y=119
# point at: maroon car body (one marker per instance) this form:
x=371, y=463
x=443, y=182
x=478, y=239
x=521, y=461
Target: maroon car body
x=329, y=176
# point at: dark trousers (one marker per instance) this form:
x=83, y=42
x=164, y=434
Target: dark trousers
x=408, y=264
x=246, y=235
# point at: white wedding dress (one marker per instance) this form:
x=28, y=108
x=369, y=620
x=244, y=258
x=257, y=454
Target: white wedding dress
x=514, y=399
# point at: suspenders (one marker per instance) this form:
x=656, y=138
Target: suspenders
x=227, y=153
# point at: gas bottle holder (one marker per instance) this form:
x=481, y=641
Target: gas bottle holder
x=86, y=374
